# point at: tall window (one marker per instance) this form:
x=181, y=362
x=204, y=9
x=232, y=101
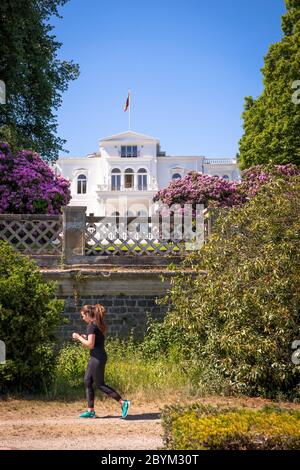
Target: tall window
x=176, y=176
x=142, y=179
x=81, y=184
x=129, y=178
x=128, y=151
x=116, y=179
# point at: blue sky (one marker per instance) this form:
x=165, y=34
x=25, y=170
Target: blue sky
x=189, y=65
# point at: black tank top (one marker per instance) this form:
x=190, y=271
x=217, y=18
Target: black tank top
x=99, y=350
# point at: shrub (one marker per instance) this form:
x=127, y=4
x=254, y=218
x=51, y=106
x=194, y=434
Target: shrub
x=239, y=321
x=28, y=185
x=29, y=318
x=196, y=188
x=212, y=191
x=200, y=427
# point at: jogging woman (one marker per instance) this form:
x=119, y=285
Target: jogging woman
x=93, y=315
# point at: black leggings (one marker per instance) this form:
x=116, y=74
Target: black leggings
x=95, y=374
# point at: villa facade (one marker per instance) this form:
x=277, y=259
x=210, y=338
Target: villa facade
x=126, y=172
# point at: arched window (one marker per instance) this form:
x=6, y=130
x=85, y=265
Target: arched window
x=81, y=184
x=116, y=179
x=225, y=177
x=176, y=176
x=216, y=176
x=129, y=178
x=129, y=213
x=142, y=179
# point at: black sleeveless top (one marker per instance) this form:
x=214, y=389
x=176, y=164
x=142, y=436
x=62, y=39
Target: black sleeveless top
x=99, y=350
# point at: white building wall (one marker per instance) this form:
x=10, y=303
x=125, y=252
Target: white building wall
x=97, y=167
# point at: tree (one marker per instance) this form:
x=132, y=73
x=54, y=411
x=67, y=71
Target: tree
x=237, y=323
x=35, y=78
x=272, y=121
x=28, y=185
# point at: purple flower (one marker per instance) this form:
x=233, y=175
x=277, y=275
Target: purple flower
x=28, y=184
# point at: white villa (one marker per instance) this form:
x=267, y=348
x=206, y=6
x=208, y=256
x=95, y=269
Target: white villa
x=127, y=171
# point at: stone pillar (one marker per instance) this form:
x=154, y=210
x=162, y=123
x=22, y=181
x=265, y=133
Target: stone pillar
x=74, y=224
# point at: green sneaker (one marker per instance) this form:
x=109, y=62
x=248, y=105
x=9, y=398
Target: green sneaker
x=88, y=414
x=125, y=408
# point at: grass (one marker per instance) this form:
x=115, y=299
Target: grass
x=127, y=370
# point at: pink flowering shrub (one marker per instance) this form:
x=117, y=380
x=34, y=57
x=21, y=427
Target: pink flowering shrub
x=212, y=191
x=28, y=185
x=196, y=188
x=257, y=176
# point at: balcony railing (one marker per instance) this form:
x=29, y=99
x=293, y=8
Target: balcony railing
x=107, y=187
x=220, y=161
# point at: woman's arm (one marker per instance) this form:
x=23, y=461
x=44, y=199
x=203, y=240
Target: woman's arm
x=88, y=343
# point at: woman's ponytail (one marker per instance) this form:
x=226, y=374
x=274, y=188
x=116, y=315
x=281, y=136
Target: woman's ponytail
x=100, y=312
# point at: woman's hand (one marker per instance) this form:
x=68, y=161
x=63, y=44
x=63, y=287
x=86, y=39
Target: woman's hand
x=75, y=336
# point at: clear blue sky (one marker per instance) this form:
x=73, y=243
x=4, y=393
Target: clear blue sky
x=189, y=64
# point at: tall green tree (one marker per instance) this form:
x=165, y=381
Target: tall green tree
x=34, y=76
x=272, y=121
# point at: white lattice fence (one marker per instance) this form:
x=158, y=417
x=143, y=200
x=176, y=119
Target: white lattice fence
x=137, y=239
x=32, y=234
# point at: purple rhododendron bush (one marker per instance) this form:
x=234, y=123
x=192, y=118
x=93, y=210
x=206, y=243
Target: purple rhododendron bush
x=28, y=185
x=212, y=191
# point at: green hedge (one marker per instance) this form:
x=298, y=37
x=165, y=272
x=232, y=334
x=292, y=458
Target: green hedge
x=30, y=316
x=200, y=427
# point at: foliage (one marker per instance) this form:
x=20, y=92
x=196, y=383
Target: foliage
x=272, y=121
x=215, y=192
x=29, y=185
x=200, y=427
x=29, y=317
x=239, y=321
x=254, y=178
x=128, y=370
x=196, y=188
x=35, y=78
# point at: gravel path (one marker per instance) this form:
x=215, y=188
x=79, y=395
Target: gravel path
x=33, y=424
x=40, y=426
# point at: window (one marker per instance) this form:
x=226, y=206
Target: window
x=81, y=184
x=225, y=177
x=176, y=176
x=129, y=178
x=142, y=179
x=129, y=151
x=116, y=179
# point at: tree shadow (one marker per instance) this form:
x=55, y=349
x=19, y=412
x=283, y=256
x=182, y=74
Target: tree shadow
x=131, y=417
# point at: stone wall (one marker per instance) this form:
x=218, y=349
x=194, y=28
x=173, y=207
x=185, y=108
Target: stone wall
x=129, y=297
x=125, y=314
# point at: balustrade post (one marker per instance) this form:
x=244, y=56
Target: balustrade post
x=74, y=224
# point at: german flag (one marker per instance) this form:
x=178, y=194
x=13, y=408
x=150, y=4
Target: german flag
x=127, y=104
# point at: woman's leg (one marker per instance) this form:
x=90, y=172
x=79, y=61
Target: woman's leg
x=98, y=376
x=88, y=382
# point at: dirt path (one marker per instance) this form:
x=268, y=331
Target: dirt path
x=31, y=424
x=48, y=426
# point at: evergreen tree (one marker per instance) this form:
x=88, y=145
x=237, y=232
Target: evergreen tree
x=35, y=78
x=272, y=121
